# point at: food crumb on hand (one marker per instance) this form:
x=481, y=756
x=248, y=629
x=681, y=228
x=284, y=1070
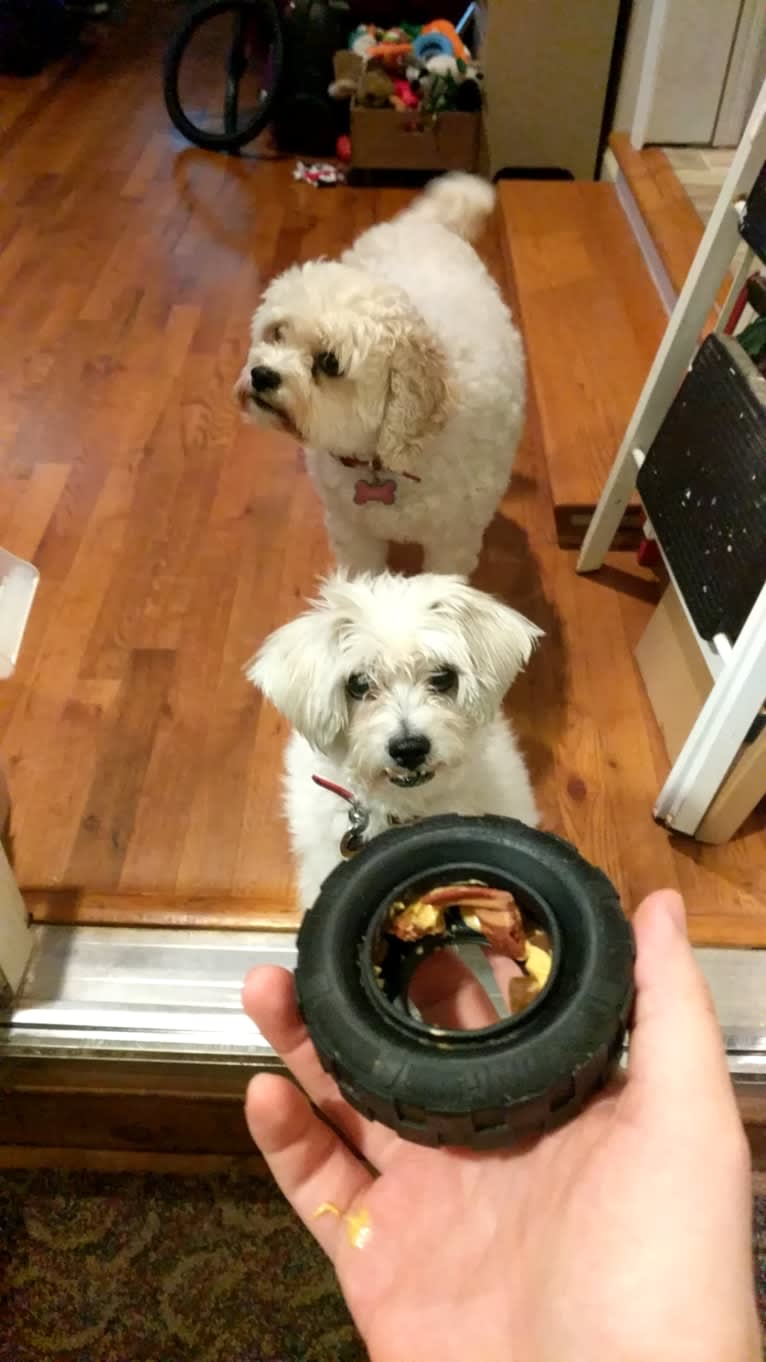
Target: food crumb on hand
x=359, y=1227
x=358, y=1223
x=326, y=1208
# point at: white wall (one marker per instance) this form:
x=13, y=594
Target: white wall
x=675, y=68
x=546, y=67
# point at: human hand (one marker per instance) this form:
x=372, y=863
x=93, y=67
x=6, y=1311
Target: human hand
x=622, y=1237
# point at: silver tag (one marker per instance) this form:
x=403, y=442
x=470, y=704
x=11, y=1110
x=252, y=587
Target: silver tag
x=353, y=837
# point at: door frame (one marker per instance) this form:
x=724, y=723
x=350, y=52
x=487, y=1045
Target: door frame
x=641, y=64
x=747, y=67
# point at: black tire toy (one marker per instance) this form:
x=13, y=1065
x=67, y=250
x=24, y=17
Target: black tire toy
x=484, y=1088
x=255, y=29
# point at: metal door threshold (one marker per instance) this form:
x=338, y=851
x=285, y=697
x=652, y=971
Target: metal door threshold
x=159, y=995
x=172, y=996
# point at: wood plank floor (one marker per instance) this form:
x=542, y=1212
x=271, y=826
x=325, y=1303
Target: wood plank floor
x=592, y=320
x=144, y=772
x=669, y=213
x=671, y=218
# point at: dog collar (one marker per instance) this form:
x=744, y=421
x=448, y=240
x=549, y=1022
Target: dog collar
x=376, y=488
x=375, y=465
x=358, y=817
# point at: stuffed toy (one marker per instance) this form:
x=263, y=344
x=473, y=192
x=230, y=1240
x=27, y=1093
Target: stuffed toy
x=448, y=84
x=392, y=49
x=363, y=38
x=404, y=96
x=469, y=98
x=348, y=68
x=375, y=89
x=386, y=68
x=440, y=37
x=415, y=73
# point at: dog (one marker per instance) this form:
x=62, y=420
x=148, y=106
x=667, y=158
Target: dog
x=400, y=370
x=394, y=686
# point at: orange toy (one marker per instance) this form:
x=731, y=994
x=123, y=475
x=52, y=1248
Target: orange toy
x=390, y=54
x=449, y=31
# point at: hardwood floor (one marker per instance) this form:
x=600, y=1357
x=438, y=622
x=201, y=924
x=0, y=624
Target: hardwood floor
x=669, y=214
x=144, y=772
x=592, y=322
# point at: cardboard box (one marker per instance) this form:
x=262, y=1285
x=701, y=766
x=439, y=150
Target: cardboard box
x=546, y=69
x=383, y=139
x=678, y=683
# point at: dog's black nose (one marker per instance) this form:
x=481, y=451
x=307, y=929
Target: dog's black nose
x=410, y=752
x=264, y=379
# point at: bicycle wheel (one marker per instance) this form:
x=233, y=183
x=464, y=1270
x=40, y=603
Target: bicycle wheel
x=222, y=72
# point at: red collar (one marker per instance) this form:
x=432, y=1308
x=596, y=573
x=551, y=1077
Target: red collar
x=349, y=462
x=358, y=817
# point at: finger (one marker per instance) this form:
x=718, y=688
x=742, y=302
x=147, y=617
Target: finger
x=312, y=1166
x=269, y=1000
x=505, y=969
x=447, y=993
x=676, y=1049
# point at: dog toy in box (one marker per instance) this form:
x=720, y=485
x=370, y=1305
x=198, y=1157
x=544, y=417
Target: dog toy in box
x=446, y=84
x=319, y=174
x=440, y=37
x=404, y=97
x=433, y=58
x=376, y=89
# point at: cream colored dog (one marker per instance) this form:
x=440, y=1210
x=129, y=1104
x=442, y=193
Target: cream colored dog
x=400, y=369
x=394, y=687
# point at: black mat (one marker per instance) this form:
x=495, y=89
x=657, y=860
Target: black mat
x=753, y=226
x=703, y=484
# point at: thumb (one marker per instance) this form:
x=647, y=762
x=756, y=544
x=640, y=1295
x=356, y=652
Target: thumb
x=677, y=1057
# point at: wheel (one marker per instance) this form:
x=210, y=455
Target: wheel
x=222, y=72
x=484, y=1088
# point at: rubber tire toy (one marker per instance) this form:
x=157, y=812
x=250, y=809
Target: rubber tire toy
x=484, y=1088
x=243, y=12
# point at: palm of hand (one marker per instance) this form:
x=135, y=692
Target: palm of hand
x=457, y=1237
x=548, y=1252
x=622, y=1237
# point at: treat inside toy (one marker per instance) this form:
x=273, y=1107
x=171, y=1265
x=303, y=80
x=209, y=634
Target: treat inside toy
x=461, y=955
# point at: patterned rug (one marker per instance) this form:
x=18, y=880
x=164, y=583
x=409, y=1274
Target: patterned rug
x=160, y=1268
x=759, y=1244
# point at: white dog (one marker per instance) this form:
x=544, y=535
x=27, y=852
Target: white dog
x=393, y=686
x=401, y=370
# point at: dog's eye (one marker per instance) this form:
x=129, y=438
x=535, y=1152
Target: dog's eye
x=358, y=686
x=326, y=363
x=443, y=680
x=275, y=334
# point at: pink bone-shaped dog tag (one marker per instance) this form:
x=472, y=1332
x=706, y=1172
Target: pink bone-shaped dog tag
x=384, y=492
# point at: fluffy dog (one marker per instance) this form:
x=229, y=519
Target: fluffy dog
x=400, y=369
x=393, y=686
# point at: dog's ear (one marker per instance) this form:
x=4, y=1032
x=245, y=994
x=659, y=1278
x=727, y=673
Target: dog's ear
x=294, y=669
x=498, y=640
x=419, y=402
